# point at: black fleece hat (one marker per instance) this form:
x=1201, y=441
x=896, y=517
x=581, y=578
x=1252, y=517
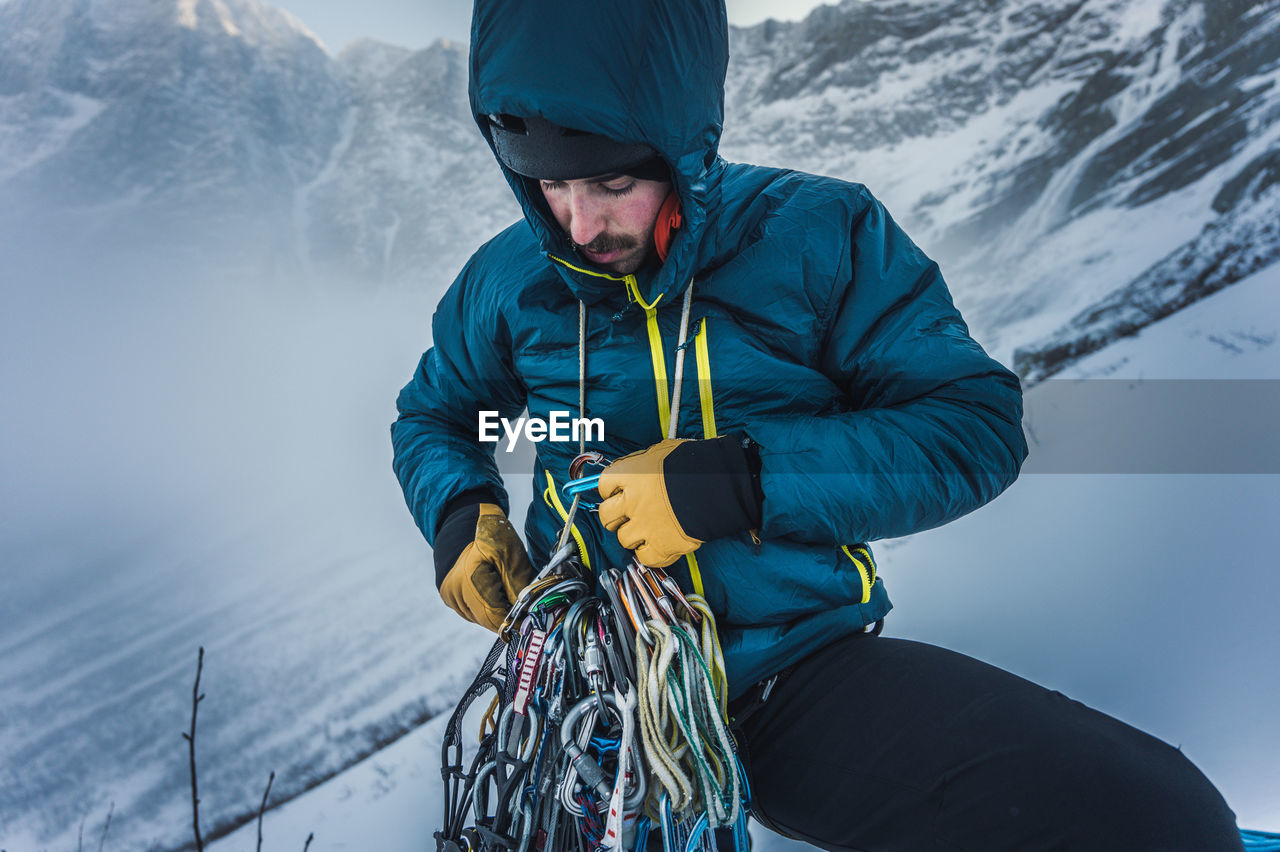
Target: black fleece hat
x=543, y=150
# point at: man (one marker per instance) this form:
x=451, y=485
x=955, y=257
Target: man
x=838, y=399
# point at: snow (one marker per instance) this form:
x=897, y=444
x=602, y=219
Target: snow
x=1231, y=335
x=184, y=506
x=1138, y=20
x=188, y=16
x=49, y=120
x=302, y=203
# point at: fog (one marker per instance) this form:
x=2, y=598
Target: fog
x=149, y=404
x=193, y=455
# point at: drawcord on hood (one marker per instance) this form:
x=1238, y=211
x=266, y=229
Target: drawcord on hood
x=582, y=392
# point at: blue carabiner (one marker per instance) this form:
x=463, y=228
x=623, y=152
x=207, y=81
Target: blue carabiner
x=579, y=485
x=582, y=485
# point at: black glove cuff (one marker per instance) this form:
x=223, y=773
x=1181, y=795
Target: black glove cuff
x=714, y=486
x=457, y=530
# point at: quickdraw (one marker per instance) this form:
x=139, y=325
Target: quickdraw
x=608, y=721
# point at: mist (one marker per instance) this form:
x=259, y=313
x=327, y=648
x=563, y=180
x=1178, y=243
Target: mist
x=197, y=456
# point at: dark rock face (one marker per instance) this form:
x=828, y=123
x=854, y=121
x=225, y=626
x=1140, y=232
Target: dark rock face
x=1253, y=180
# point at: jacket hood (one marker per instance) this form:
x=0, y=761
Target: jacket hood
x=649, y=71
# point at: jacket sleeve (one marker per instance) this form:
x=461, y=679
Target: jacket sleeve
x=438, y=455
x=932, y=426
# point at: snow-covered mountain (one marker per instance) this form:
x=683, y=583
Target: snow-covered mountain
x=411, y=189
x=134, y=114
x=226, y=121
x=1050, y=153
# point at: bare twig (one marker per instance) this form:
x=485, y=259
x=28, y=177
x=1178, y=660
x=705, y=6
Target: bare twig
x=310, y=837
x=196, y=698
x=263, y=807
x=103, y=839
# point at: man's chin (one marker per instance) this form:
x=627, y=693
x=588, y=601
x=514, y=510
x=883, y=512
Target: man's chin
x=625, y=263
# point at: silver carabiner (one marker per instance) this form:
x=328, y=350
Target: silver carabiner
x=527, y=746
x=586, y=768
x=480, y=794
x=634, y=611
x=567, y=783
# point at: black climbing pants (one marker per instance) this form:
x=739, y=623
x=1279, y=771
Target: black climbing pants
x=874, y=743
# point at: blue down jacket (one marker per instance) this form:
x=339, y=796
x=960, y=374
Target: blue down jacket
x=818, y=329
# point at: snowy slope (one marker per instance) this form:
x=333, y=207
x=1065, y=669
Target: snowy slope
x=194, y=461
x=1046, y=153
x=410, y=158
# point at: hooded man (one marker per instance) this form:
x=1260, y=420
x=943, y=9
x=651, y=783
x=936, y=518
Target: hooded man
x=839, y=399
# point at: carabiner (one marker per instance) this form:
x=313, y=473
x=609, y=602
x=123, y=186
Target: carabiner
x=583, y=459
x=641, y=586
x=585, y=485
x=532, y=593
x=480, y=791
x=578, y=484
x=673, y=589
x=526, y=832
x=634, y=612
x=525, y=746
x=656, y=589
x=587, y=769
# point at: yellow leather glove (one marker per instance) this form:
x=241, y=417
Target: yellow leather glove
x=489, y=573
x=637, y=508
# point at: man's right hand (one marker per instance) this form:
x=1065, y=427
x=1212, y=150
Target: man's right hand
x=486, y=577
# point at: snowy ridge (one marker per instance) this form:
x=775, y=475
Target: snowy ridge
x=1023, y=144
x=1229, y=250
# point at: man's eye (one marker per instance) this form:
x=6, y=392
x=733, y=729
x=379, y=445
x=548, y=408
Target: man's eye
x=552, y=185
x=624, y=190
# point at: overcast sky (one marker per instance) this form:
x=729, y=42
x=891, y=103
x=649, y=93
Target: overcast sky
x=417, y=23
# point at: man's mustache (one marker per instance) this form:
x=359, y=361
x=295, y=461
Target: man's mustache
x=606, y=243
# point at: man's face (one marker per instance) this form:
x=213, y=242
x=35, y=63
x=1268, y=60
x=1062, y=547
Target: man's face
x=610, y=218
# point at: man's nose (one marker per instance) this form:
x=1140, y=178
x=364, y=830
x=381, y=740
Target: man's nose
x=586, y=221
